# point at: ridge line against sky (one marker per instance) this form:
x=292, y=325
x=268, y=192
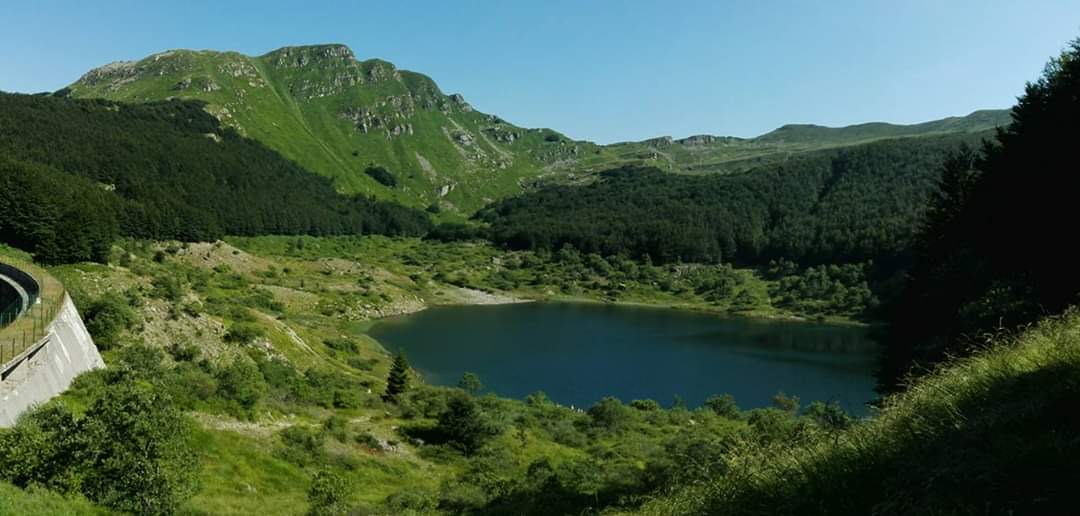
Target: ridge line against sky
x=603, y=70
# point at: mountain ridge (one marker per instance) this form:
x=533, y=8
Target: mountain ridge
x=339, y=116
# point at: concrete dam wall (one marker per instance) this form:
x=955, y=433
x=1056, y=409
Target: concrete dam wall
x=48, y=367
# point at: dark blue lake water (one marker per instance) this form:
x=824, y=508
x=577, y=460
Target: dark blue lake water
x=578, y=353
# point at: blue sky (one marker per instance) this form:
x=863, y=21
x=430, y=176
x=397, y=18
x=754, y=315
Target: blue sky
x=602, y=70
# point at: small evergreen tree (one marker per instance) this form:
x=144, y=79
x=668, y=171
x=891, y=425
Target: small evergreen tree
x=398, y=380
x=470, y=383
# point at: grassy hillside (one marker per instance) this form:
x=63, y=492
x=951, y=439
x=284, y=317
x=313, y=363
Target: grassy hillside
x=703, y=154
x=263, y=346
x=339, y=116
x=77, y=173
x=816, y=134
x=42, y=502
x=992, y=434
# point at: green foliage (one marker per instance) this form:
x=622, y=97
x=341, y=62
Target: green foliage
x=982, y=267
x=242, y=382
x=244, y=333
x=301, y=445
x=397, y=382
x=846, y=205
x=823, y=289
x=139, y=461
x=342, y=344
x=167, y=287
x=610, y=414
x=128, y=451
x=470, y=383
x=77, y=174
x=723, y=405
x=36, y=500
x=464, y=425
x=106, y=318
x=328, y=494
x=991, y=433
x=383, y=176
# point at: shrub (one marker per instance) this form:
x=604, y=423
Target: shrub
x=610, y=414
x=464, y=425
x=106, y=318
x=327, y=494
x=470, y=383
x=724, y=406
x=244, y=333
x=645, y=405
x=242, y=382
x=167, y=288
x=301, y=445
x=343, y=344
x=134, y=448
x=382, y=176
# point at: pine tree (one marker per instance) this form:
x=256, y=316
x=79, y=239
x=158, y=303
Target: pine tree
x=397, y=382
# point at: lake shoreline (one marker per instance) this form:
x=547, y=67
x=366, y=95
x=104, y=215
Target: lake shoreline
x=657, y=353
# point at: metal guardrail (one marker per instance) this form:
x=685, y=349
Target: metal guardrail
x=22, y=329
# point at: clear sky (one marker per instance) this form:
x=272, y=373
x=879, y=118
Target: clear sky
x=602, y=70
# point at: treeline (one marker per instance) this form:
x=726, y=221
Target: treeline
x=75, y=174
x=993, y=253
x=837, y=206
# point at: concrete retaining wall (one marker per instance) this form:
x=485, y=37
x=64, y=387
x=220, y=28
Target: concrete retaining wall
x=47, y=368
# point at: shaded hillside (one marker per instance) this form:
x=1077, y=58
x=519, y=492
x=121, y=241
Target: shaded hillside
x=75, y=174
x=992, y=255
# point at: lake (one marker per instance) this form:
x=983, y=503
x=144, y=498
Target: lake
x=578, y=353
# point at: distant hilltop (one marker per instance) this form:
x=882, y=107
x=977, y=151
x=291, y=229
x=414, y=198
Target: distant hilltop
x=393, y=134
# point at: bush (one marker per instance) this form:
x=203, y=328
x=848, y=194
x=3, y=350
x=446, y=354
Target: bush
x=242, y=382
x=645, y=405
x=106, y=318
x=134, y=451
x=342, y=344
x=302, y=445
x=382, y=176
x=464, y=425
x=143, y=361
x=327, y=494
x=610, y=414
x=244, y=333
x=167, y=288
x=723, y=406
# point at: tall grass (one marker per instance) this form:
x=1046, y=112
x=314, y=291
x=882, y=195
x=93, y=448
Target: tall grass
x=997, y=433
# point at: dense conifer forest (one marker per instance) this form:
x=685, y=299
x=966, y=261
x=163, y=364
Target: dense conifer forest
x=157, y=171
x=838, y=206
x=990, y=254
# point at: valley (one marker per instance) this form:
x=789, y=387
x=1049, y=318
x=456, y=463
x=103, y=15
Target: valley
x=321, y=285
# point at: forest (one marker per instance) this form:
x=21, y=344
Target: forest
x=76, y=174
x=990, y=255
x=837, y=206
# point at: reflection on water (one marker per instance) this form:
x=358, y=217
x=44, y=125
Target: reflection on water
x=578, y=353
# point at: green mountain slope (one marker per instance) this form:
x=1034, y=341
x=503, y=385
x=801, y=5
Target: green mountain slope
x=724, y=154
x=335, y=115
x=808, y=133
x=338, y=116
